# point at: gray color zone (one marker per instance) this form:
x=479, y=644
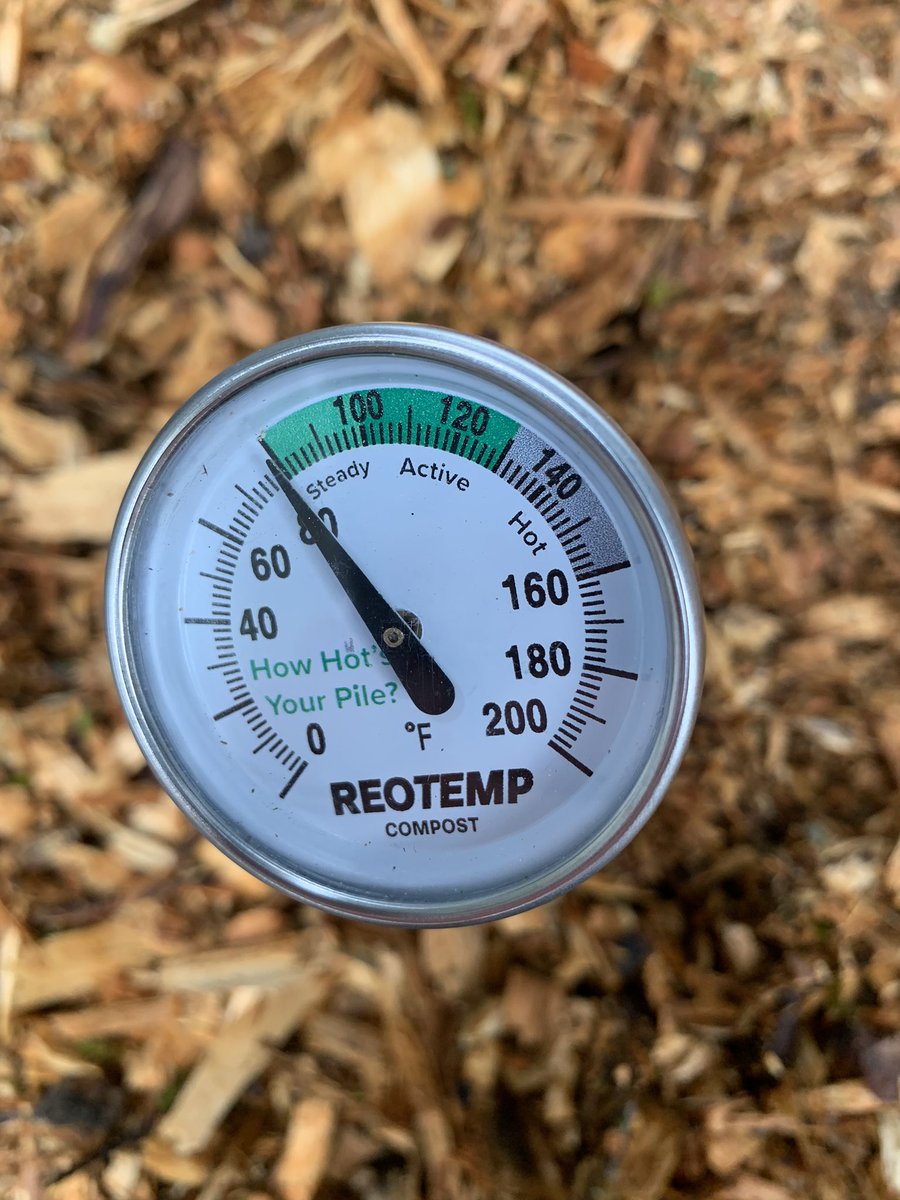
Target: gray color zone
x=598, y=534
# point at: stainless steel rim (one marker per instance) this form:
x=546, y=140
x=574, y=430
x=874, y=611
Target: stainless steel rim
x=598, y=435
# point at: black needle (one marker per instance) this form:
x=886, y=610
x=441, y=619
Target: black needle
x=427, y=685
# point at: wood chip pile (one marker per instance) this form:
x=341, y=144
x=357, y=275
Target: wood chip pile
x=692, y=210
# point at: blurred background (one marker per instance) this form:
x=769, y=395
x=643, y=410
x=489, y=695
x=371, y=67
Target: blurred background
x=692, y=210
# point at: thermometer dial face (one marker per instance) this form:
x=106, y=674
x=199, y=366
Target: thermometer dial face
x=405, y=625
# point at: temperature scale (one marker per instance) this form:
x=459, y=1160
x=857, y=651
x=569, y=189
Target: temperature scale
x=405, y=624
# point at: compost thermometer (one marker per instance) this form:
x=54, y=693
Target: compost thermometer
x=405, y=624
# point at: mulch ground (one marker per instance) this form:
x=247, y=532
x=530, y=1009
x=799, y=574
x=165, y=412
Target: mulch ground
x=693, y=211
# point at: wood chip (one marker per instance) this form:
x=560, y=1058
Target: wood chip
x=162, y=1162
x=304, y=1158
x=598, y=206
x=73, y=965
x=388, y=175
x=400, y=28
x=77, y=222
x=10, y=948
x=729, y=1142
x=753, y=1187
x=824, y=256
x=118, y=1019
x=12, y=40
x=624, y=38
x=75, y=503
x=231, y=873
x=889, y=1147
x=268, y=964
x=530, y=1008
x=849, y=1097
x=110, y=33
x=241, y=1051
x=853, y=618
x=650, y=1157
x=512, y=26
x=454, y=958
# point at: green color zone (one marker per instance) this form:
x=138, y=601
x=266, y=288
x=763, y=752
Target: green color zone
x=391, y=416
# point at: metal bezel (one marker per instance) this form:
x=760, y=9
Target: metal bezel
x=598, y=436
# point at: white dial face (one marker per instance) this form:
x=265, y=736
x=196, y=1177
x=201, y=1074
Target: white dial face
x=518, y=744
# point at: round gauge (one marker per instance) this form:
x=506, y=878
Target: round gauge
x=405, y=624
